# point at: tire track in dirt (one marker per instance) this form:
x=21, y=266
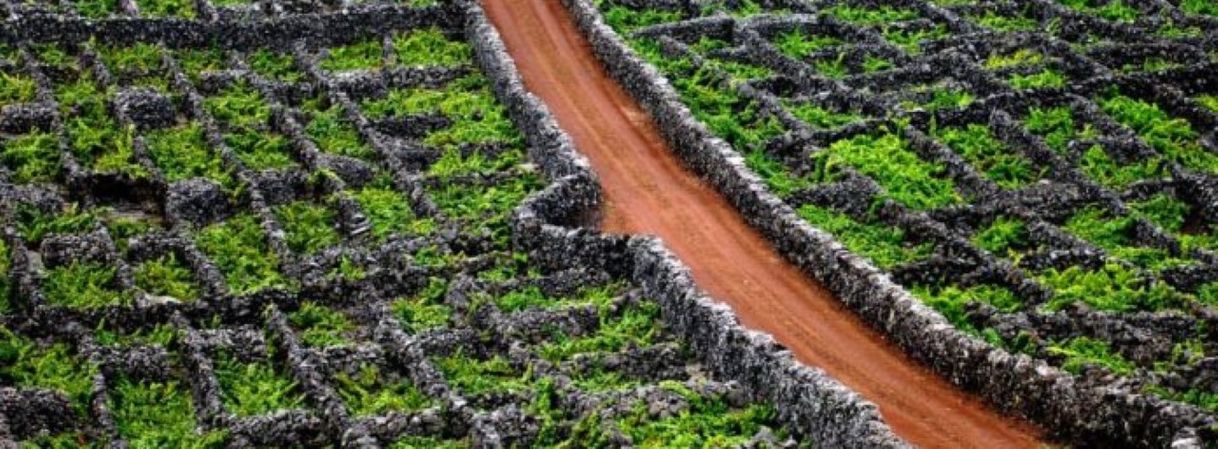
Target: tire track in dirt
x=647, y=191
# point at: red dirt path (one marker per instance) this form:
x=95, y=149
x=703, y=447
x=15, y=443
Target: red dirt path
x=647, y=191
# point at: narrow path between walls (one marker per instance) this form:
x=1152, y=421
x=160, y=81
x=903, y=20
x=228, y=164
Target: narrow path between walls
x=647, y=191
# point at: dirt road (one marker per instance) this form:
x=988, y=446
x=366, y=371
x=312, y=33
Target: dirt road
x=648, y=191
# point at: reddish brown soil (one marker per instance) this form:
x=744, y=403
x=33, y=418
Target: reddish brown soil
x=647, y=191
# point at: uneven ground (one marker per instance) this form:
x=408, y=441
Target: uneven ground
x=648, y=191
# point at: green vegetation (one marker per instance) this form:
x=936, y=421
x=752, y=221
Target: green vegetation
x=143, y=58
x=1058, y=128
x=1114, y=235
x=389, y=212
x=473, y=377
x=96, y=9
x=485, y=208
x=799, y=45
x=167, y=8
x=96, y=138
x=1110, y=288
x=320, y=326
x=779, y=180
x=309, y=228
x=277, y=66
x=1045, y=79
x=635, y=327
x=25, y=364
x=1006, y=23
x=911, y=40
x=182, y=153
x=366, y=54
x=820, y=117
x=367, y=393
x=156, y=414
x=887, y=158
x=1021, y=57
x=624, y=20
x=1209, y=102
x=1205, y=7
x=260, y=150
x=1004, y=237
x=255, y=388
x=886, y=246
x=1080, y=352
x=34, y=224
x=15, y=88
x=952, y=300
x=476, y=116
x=196, y=61
x=240, y=250
x=709, y=422
x=425, y=310
x=1000, y=164
x=1172, y=137
x=160, y=335
x=83, y=285
x=239, y=105
x=533, y=297
x=430, y=47
x=727, y=115
x=32, y=158
x=871, y=16
x=1115, y=10
x=333, y=134
x=166, y=276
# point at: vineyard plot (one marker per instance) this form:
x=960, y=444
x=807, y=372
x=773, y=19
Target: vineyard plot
x=304, y=245
x=1041, y=173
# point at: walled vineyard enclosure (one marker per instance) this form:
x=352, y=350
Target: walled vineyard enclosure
x=306, y=224
x=1039, y=172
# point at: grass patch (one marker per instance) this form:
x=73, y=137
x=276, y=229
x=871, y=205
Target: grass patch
x=1044, y=79
x=871, y=16
x=1004, y=237
x=624, y=19
x=367, y=54
x=425, y=310
x=255, y=388
x=260, y=150
x=888, y=160
x=799, y=45
x=32, y=158
x=34, y=225
x=486, y=208
x=430, y=47
x=1079, y=352
x=239, y=105
x=181, y=153
x=952, y=301
x=820, y=117
x=1000, y=164
x=167, y=276
x=25, y=364
x=1174, y=138
x=239, y=249
x=158, y=414
x=1115, y=10
x=167, y=8
x=885, y=246
x=277, y=66
x=1059, y=130
x=320, y=326
x=1110, y=288
x=333, y=134
x=389, y=212
x=83, y=285
x=474, y=377
x=367, y=393
x=308, y=227
x=15, y=88
x=709, y=422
